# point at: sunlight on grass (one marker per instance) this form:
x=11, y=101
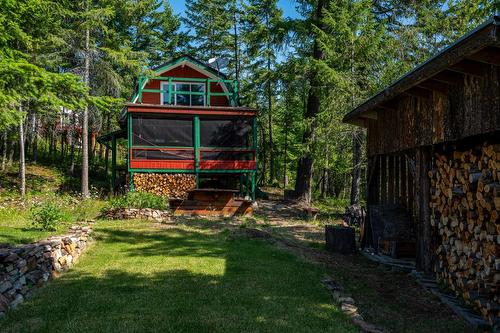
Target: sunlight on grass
x=43, y=185
x=139, y=278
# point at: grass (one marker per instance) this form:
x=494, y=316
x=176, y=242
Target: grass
x=187, y=278
x=43, y=185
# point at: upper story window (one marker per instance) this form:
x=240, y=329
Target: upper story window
x=185, y=93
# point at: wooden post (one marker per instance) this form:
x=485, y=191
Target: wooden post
x=422, y=213
x=390, y=180
x=404, y=182
x=383, y=179
x=397, y=179
x=411, y=188
x=373, y=181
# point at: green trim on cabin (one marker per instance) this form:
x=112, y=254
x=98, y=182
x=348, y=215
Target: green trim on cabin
x=196, y=130
x=191, y=60
x=232, y=93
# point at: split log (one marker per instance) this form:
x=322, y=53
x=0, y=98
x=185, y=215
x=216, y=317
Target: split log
x=465, y=204
x=167, y=185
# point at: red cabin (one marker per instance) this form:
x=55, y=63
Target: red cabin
x=185, y=120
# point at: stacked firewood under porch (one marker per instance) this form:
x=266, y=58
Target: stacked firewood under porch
x=171, y=185
x=186, y=199
x=465, y=206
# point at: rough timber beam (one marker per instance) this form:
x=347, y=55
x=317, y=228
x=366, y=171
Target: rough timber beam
x=489, y=55
x=434, y=85
x=448, y=77
x=418, y=92
x=469, y=67
x=371, y=115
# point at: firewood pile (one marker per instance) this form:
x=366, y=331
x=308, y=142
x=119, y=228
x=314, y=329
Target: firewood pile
x=465, y=204
x=163, y=184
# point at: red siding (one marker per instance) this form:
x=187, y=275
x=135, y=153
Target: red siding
x=227, y=165
x=170, y=164
x=183, y=72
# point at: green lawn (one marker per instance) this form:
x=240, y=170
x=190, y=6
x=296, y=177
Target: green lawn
x=143, y=277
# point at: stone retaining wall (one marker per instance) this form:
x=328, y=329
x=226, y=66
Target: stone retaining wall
x=25, y=267
x=135, y=213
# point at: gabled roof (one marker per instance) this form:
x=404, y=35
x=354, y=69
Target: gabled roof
x=173, y=61
x=194, y=63
x=476, y=45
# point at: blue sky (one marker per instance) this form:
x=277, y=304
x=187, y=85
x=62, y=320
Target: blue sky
x=288, y=7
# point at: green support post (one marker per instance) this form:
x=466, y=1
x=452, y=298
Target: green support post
x=253, y=185
x=209, y=92
x=113, y=163
x=129, y=145
x=170, y=91
x=248, y=182
x=256, y=148
x=241, y=183
x=197, y=149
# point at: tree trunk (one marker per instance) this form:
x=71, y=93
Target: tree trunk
x=270, y=126
x=85, y=134
x=4, y=152
x=22, y=165
x=272, y=169
x=263, y=158
x=324, y=187
x=285, y=177
x=106, y=152
x=356, y=167
x=303, y=181
x=236, y=43
x=71, y=138
x=12, y=152
x=35, y=138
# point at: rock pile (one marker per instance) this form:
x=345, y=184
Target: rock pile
x=25, y=267
x=135, y=213
x=348, y=307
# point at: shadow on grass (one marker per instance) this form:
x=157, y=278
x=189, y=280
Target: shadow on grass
x=177, y=280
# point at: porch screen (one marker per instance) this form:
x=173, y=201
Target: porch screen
x=225, y=132
x=161, y=154
x=162, y=132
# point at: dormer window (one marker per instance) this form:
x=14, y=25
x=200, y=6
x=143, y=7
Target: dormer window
x=184, y=93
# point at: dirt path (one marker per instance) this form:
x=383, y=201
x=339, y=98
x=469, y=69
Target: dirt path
x=390, y=300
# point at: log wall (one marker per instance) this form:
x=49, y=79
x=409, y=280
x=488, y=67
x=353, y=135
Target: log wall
x=468, y=108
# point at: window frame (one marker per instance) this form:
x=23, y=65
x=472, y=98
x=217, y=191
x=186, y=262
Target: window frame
x=174, y=86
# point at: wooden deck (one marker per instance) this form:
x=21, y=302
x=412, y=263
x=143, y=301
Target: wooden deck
x=212, y=202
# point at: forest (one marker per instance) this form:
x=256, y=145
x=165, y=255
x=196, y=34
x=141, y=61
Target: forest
x=67, y=67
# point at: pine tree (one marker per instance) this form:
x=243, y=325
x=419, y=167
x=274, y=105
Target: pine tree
x=263, y=34
x=210, y=22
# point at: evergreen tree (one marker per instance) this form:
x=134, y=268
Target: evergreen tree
x=264, y=33
x=210, y=22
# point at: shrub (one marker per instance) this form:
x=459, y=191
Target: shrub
x=139, y=200
x=46, y=216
